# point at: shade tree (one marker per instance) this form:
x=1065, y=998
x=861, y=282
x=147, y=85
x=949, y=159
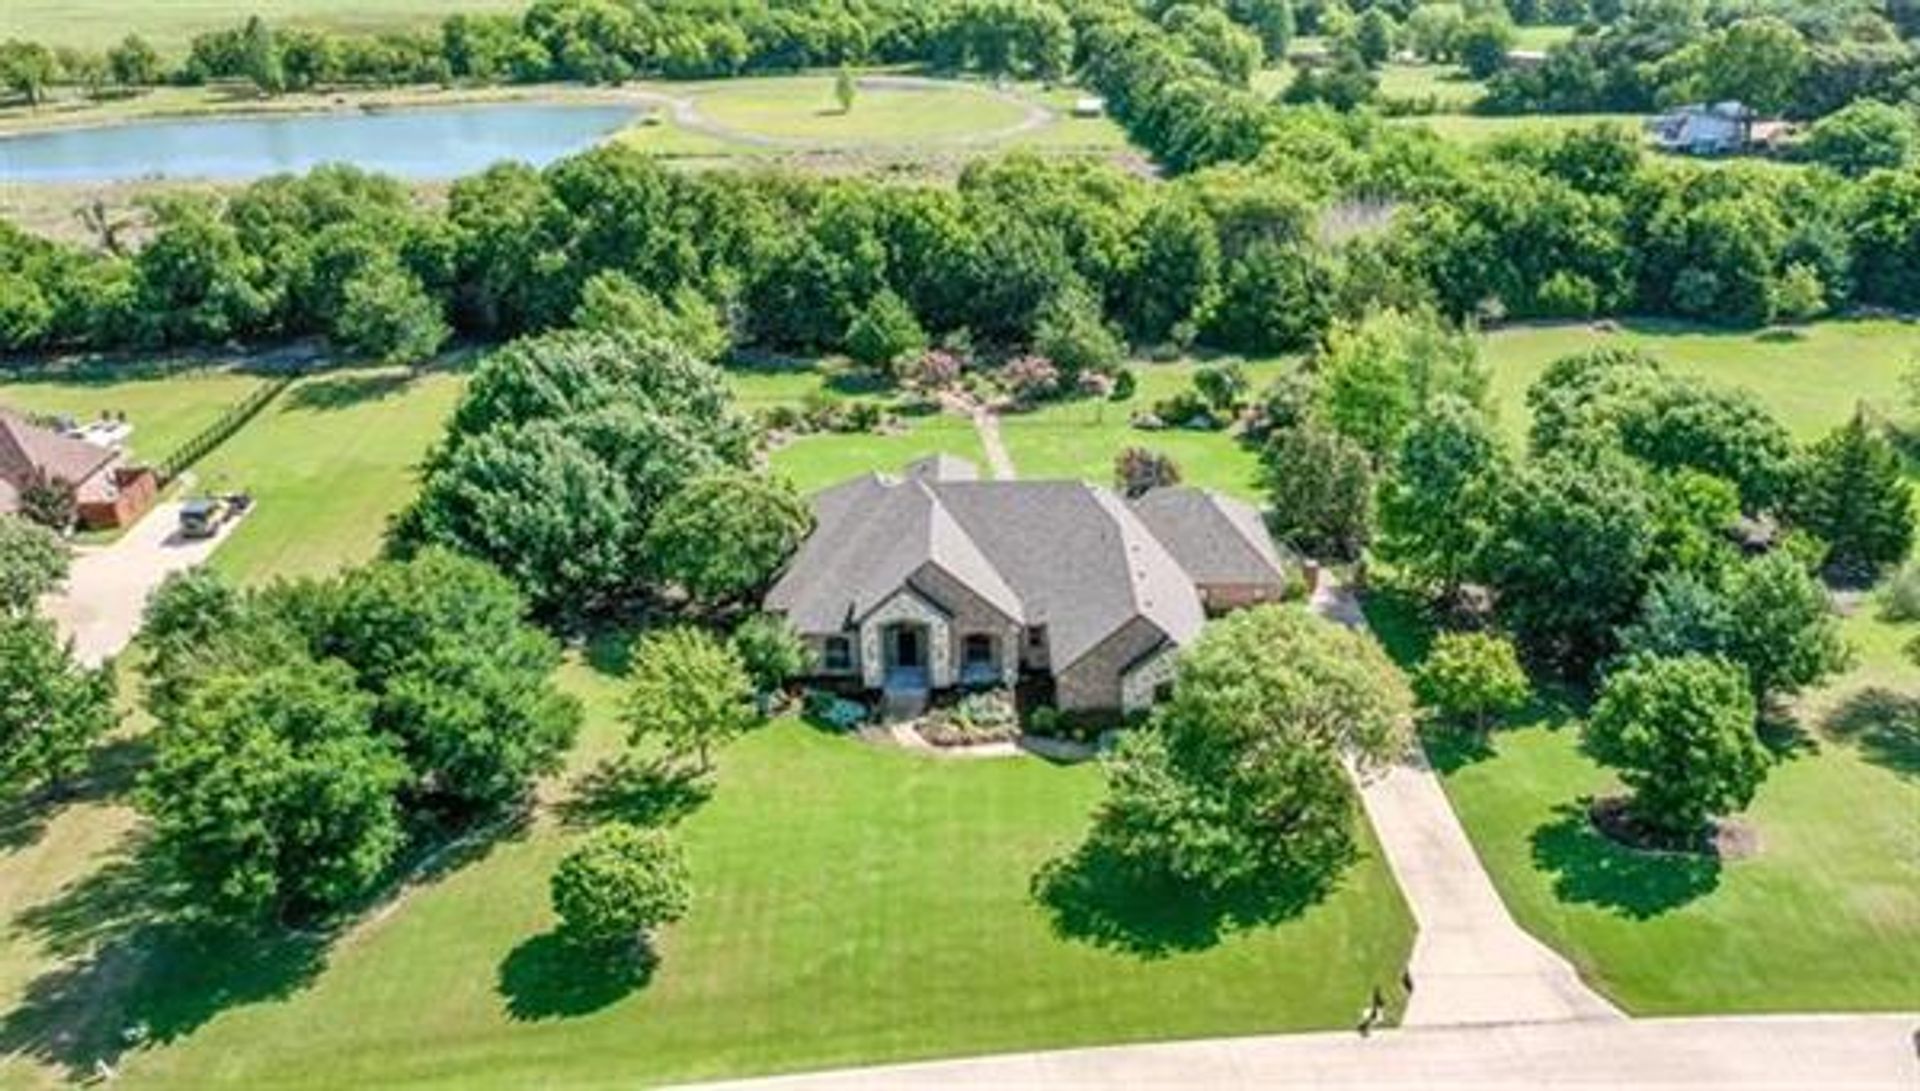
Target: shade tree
x=33, y=561
x=55, y=707
x=724, y=536
x=619, y=884
x=1471, y=678
x=1679, y=732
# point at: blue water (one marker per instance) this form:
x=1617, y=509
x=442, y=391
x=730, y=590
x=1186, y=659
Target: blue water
x=439, y=142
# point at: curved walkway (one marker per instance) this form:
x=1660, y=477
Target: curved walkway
x=1787, y=1053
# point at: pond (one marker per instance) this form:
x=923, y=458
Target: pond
x=438, y=142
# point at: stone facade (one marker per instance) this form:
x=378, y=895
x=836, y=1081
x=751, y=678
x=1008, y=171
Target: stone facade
x=968, y=614
x=1140, y=685
x=906, y=606
x=1093, y=681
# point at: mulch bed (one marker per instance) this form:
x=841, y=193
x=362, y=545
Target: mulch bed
x=1727, y=839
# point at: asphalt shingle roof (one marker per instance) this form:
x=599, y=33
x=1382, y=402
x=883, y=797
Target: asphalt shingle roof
x=1061, y=554
x=1215, y=538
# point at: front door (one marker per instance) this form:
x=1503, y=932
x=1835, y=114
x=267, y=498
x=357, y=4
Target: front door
x=906, y=648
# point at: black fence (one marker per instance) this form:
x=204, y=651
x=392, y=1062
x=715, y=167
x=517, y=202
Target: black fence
x=235, y=418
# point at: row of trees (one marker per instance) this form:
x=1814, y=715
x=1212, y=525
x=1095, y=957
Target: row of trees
x=597, y=41
x=1335, y=217
x=599, y=468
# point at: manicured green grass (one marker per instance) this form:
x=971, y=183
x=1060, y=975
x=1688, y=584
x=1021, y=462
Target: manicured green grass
x=787, y=116
x=171, y=24
x=1811, y=377
x=1079, y=439
x=816, y=461
x=166, y=408
x=852, y=905
x=1826, y=916
x=327, y=463
x=802, y=109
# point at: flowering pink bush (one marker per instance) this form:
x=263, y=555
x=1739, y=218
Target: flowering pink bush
x=1030, y=378
x=936, y=369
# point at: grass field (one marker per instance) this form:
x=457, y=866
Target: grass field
x=165, y=407
x=1825, y=917
x=171, y=24
x=1479, y=128
x=1080, y=438
x=1810, y=377
x=853, y=904
x=327, y=463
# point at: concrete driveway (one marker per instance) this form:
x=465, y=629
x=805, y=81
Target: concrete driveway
x=100, y=607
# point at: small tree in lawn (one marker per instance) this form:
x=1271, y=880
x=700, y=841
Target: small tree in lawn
x=1138, y=471
x=1679, y=731
x=620, y=884
x=1223, y=386
x=53, y=708
x=690, y=690
x=33, y=561
x=844, y=89
x=1472, y=678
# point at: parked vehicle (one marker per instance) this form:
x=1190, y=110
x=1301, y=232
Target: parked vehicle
x=202, y=516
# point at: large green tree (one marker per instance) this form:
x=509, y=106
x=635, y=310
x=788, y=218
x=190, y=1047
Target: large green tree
x=1438, y=506
x=269, y=797
x=1319, y=487
x=1239, y=779
x=1376, y=376
x=33, y=561
x=1679, y=731
x=51, y=708
x=726, y=535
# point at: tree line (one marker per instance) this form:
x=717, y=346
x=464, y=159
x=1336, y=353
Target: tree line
x=1335, y=216
x=594, y=41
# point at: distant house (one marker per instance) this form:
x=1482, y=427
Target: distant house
x=106, y=492
x=1722, y=128
x=1087, y=106
x=934, y=579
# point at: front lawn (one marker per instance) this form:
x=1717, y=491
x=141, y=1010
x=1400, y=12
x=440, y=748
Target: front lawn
x=853, y=905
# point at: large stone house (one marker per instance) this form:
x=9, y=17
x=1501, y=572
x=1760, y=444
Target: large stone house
x=934, y=579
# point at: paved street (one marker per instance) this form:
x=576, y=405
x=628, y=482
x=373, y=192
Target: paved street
x=1790, y=1053
x=101, y=604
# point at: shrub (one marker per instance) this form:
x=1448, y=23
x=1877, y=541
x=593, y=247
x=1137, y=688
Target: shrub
x=621, y=883
x=1031, y=378
x=1900, y=598
x=770, y=650
x=1136, y=471
x=1471, y=677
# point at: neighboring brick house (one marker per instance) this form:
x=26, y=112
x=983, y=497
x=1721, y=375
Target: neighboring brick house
x=934, y=579
x=106, y=492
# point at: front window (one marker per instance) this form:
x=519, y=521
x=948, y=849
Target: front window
x=977, y=651
x=837, y=654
